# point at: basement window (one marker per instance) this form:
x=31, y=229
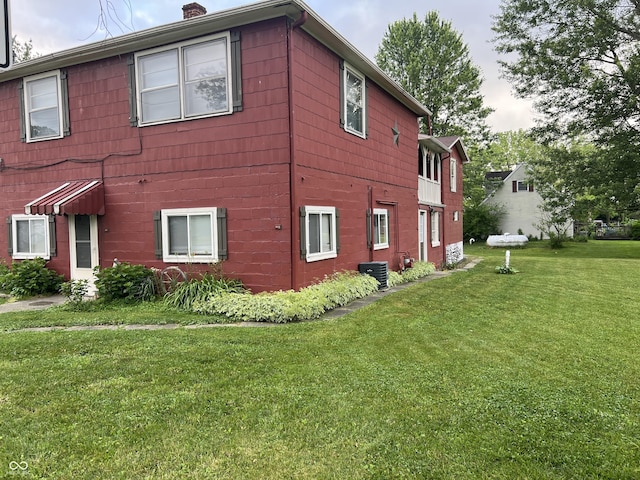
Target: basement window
x=30, y=237
x=319, y=233
x=191, y=235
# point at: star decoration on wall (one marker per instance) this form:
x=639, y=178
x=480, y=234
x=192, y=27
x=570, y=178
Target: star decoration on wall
x=396, y=133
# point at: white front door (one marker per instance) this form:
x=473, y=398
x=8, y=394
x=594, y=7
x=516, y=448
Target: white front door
x=83, y=248
x=422, y=236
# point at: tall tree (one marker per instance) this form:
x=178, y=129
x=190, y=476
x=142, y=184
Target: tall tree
x=22, y=51
x=506, y=150
x=430, y=60
x=580, y=61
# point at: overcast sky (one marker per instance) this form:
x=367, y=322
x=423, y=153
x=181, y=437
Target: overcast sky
x=54, y=26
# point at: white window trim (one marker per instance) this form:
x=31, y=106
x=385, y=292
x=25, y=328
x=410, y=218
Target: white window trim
x=349, y=69
x=179, y=212
x=30, y=255
x=382, y=213
x=333, y=253
x=435, y=229
x=27, y=110
x=453, y=169
x=181, y=81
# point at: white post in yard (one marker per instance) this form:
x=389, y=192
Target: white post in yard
x=507, y=257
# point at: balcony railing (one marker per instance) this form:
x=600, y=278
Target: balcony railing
x=429, y=191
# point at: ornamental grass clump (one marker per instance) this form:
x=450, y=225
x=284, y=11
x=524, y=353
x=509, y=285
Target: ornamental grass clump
x=196, y=290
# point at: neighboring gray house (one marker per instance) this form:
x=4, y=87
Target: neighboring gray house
x=519, y=198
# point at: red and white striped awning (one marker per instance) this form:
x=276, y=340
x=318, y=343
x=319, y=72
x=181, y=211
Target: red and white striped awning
x=75, y=198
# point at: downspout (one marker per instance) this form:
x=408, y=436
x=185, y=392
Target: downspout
x=295, y=219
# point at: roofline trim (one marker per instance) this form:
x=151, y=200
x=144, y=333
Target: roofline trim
x=210, y=23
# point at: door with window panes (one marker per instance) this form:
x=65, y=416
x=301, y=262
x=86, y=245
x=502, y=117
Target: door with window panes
x=83, y=248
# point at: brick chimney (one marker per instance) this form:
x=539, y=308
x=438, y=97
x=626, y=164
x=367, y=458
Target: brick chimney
x=193, y=10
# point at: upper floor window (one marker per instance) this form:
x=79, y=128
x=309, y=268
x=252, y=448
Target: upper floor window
x=353, y=101
x=519, y=186
x=187, y=80
x=380, y=228
x=453, y=171
x=30, y=236
x=44, y=107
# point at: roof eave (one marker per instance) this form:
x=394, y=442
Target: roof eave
x=433, y=143
x=210, y=23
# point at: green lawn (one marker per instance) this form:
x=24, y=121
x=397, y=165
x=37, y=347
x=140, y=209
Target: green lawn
x=472, y=376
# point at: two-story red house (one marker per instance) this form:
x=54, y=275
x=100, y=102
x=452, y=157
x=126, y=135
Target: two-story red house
x=255, y=135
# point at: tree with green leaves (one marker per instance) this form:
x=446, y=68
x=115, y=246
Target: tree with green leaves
x=506, y=150
x=22, y=51
x=580, y=61
x=429, y=59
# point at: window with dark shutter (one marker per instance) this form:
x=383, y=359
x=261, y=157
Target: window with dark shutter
x=44, y=107
x=192, y=79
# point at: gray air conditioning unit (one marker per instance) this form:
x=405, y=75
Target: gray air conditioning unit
x=378, y=270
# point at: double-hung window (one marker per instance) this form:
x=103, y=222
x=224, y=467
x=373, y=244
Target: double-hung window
x=354, y=101
x=44, y=106
x=380, y=228
x=435, y=229
x=453, y=166
x=187, y=80
x=189, y=235
x=30, y=236
x=319, y=233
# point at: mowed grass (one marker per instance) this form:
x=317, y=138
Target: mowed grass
x=472, y=376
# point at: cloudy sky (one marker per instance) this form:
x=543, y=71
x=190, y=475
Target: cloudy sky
x=54, y=26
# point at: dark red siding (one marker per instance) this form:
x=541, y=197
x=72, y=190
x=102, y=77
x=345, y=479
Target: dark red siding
x=237, y=161
x=335, y=168
x=242, y=162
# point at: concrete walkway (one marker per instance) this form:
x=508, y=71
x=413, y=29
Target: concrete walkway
x=42, y=303
x=36, y=303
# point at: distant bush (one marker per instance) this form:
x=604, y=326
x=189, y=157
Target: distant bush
x=27, y=278
x=126, y=281
x=635, y=230
x=556, y=240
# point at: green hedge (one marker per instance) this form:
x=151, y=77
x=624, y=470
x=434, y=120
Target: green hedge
x=306, y=304
x=290, y=306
